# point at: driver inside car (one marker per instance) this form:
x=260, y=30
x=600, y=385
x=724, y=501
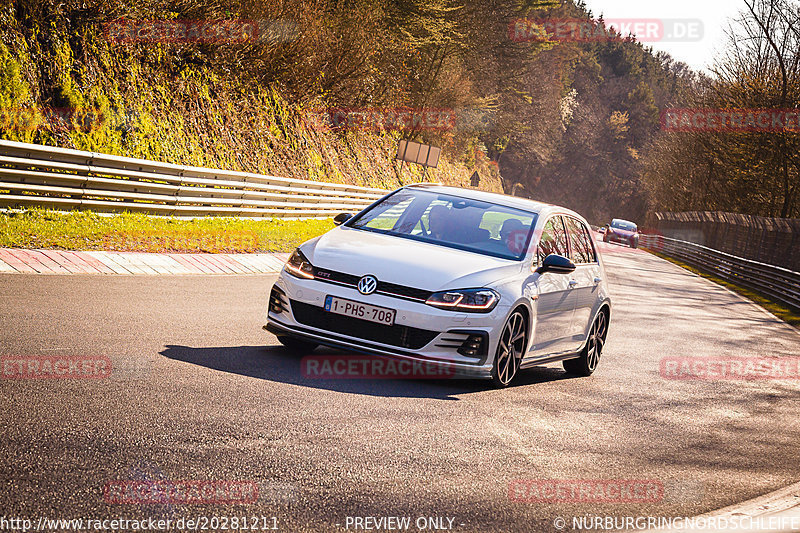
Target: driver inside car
x=511, y=231
x=438, y=222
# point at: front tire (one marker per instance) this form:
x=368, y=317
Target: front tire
x=297, y=346
x=510, y=349
x=587, y=363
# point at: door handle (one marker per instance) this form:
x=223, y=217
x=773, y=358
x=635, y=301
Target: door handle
x=572, y=283
x=598, y=280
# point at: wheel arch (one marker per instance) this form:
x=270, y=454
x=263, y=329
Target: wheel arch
x=604, y=307
x=521, y=301
x=524, y=305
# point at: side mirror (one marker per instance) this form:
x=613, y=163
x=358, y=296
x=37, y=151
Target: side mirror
x=341, y=218
x=557, y=264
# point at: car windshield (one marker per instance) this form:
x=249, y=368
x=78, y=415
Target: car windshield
x=623, y=225
x=452, y=221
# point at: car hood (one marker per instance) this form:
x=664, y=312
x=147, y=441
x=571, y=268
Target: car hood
x=404, y=261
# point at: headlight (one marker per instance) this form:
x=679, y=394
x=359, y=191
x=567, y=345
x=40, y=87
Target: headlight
x=469, y=300
x=298, y=265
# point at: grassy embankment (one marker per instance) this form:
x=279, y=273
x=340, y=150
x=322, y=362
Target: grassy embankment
x=82, y=230
x=68, y=85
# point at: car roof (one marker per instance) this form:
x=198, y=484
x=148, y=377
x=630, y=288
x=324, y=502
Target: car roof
x=525, y=204
x=623, y=220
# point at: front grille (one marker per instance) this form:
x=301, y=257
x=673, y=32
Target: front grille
x=397, y=335
x=388, y=289
x=401, y=290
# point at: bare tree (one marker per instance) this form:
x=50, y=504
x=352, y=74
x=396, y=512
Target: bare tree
x=762, y=70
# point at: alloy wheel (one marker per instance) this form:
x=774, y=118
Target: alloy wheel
x=510, y=349
x=597, y=338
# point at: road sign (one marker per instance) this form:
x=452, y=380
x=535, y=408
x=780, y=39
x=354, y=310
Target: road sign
x=475, y=179
x=422, y=154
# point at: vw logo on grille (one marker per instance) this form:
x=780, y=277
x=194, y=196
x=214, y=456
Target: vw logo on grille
x=367, y=284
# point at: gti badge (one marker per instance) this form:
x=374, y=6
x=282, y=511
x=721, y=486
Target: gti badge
x=367, y=284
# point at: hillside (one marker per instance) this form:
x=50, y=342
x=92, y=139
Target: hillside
x=323, y=90
x=64, y=81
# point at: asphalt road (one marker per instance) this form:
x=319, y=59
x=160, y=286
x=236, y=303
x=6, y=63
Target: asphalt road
x=199, y=391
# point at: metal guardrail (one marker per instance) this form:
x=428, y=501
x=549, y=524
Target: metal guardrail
x=770, y=280
x=66, y=179
x=775, y=241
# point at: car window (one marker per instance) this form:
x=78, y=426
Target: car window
x=582, y=251
x=587, y=238
x=440, y=209
x=553, y=240
x=387, y=215
x=452, y=221
x=510, y=229
x=623, y=225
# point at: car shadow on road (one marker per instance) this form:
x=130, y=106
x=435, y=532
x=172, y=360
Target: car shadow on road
x=274, y=363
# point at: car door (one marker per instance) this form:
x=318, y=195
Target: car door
x=555, y=303
x=585, y=279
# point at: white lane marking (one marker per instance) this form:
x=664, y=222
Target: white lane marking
x=781, y=507
x=156, y=264
x=104, y=258
x=773, y=503
x=6, y=268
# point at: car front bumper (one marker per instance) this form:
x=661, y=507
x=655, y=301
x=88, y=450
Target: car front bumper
x=620, y=239
x=421, y=333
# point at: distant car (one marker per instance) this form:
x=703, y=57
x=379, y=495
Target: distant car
x=622, y=231
x=481, y=283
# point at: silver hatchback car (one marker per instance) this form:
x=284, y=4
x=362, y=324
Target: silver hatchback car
x=482, y=283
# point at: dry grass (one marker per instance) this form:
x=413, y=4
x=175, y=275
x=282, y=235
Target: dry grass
x=84, y=230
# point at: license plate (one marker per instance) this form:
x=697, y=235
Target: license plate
x=372, y=313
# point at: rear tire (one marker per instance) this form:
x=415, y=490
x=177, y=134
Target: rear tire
x=587, y=363
x=297, y=346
